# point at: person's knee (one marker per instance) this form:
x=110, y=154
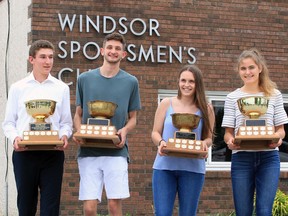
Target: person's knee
x=163, y=212
x=90, y=208
x=263, y=212
x=89, y=211
x=115, y=207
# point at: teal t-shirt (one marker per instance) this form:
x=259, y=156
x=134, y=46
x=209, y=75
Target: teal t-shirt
x=122, y=89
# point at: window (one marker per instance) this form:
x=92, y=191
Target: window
x=219, y=156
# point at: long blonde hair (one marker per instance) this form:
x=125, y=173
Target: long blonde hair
x=265, y=83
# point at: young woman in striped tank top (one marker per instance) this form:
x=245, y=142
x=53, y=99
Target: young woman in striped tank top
x=254, y=170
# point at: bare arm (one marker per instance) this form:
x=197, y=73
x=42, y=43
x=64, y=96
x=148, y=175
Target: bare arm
x=280, y=131
x=158, y=125
x=130, y=125
x=78, y=118
x=77, y=123
x=229, y=139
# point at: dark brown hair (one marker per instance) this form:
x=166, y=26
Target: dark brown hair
x=199, y=97
x=40, y=44
x=117, y=37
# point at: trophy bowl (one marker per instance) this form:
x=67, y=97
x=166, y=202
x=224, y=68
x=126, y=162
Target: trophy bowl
x=254, y=106
x=101, y=109
x=40, y=109
x=185, y=121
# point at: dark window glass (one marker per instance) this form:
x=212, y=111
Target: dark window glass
x=220, y=152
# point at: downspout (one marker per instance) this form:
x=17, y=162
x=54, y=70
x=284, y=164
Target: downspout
x=7, y=89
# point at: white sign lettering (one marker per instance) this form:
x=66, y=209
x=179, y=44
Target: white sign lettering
x=136, y=52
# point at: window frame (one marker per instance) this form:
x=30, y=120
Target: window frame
x=216, y=96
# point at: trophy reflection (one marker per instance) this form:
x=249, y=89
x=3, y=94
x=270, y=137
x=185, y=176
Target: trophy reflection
x=255, y=134
x=99, y=132
x=40, y=136
x=185, y=143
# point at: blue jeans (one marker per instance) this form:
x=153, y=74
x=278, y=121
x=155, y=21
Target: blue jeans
x=255, y=171
x=165, y=186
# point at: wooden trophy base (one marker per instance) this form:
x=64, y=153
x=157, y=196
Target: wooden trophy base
x=185, y=148
x=255, y=142
x=255, y=137
x=40, y=140
x=98, y=136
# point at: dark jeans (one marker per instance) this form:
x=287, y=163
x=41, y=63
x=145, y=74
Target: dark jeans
x=255, y=171
x=38, y=170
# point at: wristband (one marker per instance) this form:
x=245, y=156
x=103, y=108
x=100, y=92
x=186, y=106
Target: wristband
x=160, y=142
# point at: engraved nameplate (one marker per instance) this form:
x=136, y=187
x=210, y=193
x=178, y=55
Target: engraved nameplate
x=253, y=122
x=95, y=121
x=185, y=135
x=40, y=126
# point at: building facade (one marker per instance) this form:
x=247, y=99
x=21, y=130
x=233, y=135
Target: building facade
x=162, y=36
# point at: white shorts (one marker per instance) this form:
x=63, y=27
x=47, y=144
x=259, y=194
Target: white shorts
x=96, y=172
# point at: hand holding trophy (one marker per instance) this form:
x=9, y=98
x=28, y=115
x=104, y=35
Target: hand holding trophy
x=40, y=136
x=185, y=143
x=255, y=134
x=99, y=132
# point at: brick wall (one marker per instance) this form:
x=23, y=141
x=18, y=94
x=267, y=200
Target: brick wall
x=218, y=30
